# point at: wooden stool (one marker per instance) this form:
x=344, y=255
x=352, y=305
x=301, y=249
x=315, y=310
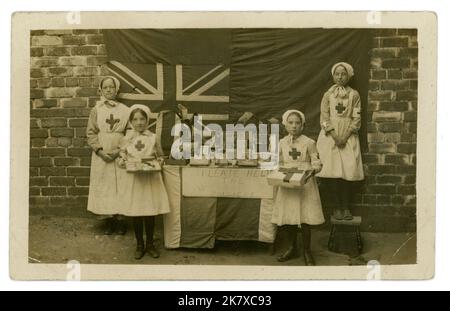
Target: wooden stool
x=338, y=227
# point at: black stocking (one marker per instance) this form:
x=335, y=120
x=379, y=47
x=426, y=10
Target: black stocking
x=138, y=224
x=306, y=237
x=149, y=228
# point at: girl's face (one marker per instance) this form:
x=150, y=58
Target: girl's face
x=109, y=89
x=139, y=122
x=294, y=124
x=340, y=76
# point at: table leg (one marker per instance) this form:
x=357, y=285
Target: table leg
x=359, y=240
x=331, y=242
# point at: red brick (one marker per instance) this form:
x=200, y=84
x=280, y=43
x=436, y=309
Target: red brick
x=410, y=116
x=101, y=50
x=413, y=84
x=38, y=181
x=79, y=142
x=410, y=73
x=373, y=106
x=36, y=52
x=406, y=148
x=36, y=93
x=74, y=102
x=394, y=42
x=60, y=71
x=45, y=40
x=375, y=137
x=410, y=179
x=86, y=71
x=71, y=82
x=37, y=62
x=394, y=106
x=78, y=171
x=381, y=189
x=43, y=83
x=408, y=52
x=58, y=82
x=78, y=191
x=34, y=191
x=39, y=162
x=64, y=141
x=381, y=169
x=53, y=191
x=79, y=152
x=96, y=60
x=33, y=83
x=39, y=201
x=406, y=95
x=406, y=189
x=78, y=122
x=398, y=199
x=396, y=63
x=85, y=161
x=390, y=127
x=45, y=103
x=405, y=169
x=85, y=31
x=34, y=123
x=38, y=72
x=57, y=51
x=407, y=32
x=392, y=137
x=85, y=81
x=72, y=61
x=412, y=127
x=51, y=152
x=374, y=85
x=61, y=132
x=399, y=159
x=384, y=52
x=378, y=74
x=66, y=112
x=52, y=171
x=53, y=122
x=369, y=199
x=95, y=39
x=375, y=63
x=80, y=132
x=34, y=153
x=82, y=181
x=386, y=116
x=37, y=142
x=84, y=50
x=389, y=179
x=371, y=158
x=408, y=137
x=62, y=181
x=395, y=74
x=394, y=85
x=51, y=142
x=86, y=92
x=371, y=127
x=38, y=133
x=74, y=40
x=380, y=95
x=56, y=92
x=383, y=199
x=64, y=161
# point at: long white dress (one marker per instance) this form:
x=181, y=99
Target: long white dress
x=106, y=126
x=340, y=114
x=141, y=193
x=298, y=206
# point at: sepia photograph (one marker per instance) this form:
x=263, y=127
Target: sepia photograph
x=223, y=145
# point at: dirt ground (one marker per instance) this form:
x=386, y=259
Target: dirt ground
x=58, y=240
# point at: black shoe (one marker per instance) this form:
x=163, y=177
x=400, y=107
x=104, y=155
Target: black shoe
x=347, y=215
x=121, y=227
x=152, y=251
x=289, y=254
x=140, y=251
x=110, y=226
x=309, y=259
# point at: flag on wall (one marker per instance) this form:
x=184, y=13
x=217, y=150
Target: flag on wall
x=222, y=73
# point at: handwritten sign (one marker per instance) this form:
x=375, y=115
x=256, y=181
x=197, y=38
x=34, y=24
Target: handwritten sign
x=226, y=182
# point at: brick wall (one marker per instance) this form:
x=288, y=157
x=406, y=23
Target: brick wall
x=65, y=72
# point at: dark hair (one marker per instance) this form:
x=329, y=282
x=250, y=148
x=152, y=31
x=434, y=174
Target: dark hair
x=136, y=111
x=106, y=78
